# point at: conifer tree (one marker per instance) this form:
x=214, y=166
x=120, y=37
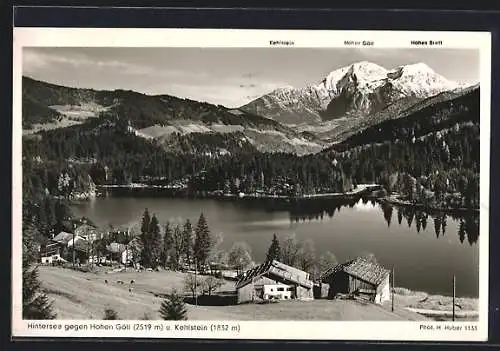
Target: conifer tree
x=173, y=308
x=168, y=243
x=36, y=304
x=187, y=241
x=177, y=247
x=146, y=257
x=274, y=251
x=155, y=242
x=203, y=242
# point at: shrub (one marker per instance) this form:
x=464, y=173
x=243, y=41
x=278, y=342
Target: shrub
x=146, y=317
x=110, y=314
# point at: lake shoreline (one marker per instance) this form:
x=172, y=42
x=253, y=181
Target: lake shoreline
x=135, y=189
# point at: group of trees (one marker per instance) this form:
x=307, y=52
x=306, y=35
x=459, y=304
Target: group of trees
x=300, y=254
x=202, y=284
x=180, y=246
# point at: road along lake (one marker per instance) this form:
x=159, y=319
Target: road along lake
x=425, y=249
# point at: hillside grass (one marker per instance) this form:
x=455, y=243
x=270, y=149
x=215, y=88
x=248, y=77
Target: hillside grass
x=79, y=295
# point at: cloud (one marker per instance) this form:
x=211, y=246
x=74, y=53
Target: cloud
x=146, y=76
x=225, y=93
x=35, y=61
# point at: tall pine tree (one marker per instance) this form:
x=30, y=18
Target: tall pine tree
x=146, y=239
x=202, y=244
x=147, y=256
x=155, y=241
x=187, y=241
x=168, y=243
x=177, y=247
x=274, y=251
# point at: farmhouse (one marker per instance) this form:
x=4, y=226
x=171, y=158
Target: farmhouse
x=358, y=277
x=274, y=280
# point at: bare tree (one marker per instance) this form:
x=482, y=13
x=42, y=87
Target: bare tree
x=290, y=250
x=192, y=284
x=306, y=255
x=325, y=262
x=210, y=284
x=217, y=254
x=240, y=256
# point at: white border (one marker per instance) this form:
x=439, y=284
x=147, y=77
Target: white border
x=218, y=38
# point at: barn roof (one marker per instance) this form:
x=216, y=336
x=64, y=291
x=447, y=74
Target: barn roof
x=278, y=269
x=360, y=268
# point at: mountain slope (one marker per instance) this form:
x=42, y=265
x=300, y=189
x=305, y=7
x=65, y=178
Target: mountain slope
x=356, y=90
x=338, y=130
x=432, y=115
x=155, y=117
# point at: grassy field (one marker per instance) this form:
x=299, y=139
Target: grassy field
x=79, y=295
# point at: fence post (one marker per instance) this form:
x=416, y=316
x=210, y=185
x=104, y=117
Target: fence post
x=453, y=297
x=392, y=290
x=195, y=281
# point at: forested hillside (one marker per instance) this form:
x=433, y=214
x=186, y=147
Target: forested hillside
x=431, y=153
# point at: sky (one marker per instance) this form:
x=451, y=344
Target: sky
x=230, y=77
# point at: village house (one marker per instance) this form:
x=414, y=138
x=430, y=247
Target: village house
x=52, y=252
x=88, y=232
x=274, y=280
x=358, y=277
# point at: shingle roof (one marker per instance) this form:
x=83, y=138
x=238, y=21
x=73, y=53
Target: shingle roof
x=276, y=268
x=63, y=237
x=360, y=268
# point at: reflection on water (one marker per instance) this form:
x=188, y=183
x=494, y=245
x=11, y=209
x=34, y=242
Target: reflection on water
x=406, y=215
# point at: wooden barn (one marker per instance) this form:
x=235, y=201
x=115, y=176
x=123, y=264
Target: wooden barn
x=358, y=277
x=274, y=280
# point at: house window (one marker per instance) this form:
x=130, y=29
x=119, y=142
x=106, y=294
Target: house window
x=281, y=289
x=286, y=297
x=289, y=289
x=271, y=289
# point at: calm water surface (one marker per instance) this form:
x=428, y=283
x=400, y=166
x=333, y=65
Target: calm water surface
x=426, y=250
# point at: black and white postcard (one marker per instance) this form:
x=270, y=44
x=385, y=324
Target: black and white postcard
x=251, y=184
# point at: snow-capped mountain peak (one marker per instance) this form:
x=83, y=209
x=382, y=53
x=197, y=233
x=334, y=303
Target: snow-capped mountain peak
x=367, y=70
x=357, y=89
x=420, y=80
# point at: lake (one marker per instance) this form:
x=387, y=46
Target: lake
x=425, y=249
